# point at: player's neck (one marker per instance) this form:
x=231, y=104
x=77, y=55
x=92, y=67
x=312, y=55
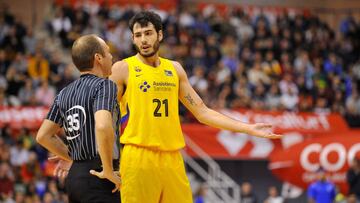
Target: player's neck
x=153, y=61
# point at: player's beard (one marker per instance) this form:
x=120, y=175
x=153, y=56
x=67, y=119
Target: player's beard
x=155, y=47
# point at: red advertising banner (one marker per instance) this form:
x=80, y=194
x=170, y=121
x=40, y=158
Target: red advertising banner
x=334, y=154
x=18, y=117
x=296, y=128
x=306, y=123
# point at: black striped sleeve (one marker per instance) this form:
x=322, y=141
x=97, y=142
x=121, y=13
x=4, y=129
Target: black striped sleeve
x=54, y=113
x=105, y=98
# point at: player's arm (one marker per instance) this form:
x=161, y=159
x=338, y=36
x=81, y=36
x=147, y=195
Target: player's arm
x=207, y=116
x=119, y=75
x=47, y=137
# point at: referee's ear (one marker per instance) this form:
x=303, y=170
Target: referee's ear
x=97, y=58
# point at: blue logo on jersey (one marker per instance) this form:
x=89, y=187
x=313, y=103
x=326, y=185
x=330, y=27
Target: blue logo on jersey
x=144, y=86
x=168, y=73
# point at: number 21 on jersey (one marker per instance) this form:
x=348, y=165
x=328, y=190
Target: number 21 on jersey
x=160, y=105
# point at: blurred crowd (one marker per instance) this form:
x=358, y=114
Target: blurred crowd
x=233, y=60
x=26, y=176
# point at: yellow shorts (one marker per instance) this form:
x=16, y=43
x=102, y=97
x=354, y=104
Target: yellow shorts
x=152, y=176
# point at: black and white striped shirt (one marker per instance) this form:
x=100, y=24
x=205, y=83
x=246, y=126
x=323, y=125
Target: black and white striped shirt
x=74, y=108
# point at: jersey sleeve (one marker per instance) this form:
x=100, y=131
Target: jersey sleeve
x=54, y=113
x=106, y=96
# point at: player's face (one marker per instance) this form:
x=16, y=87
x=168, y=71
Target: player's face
x=146, y=39
x=106, y=60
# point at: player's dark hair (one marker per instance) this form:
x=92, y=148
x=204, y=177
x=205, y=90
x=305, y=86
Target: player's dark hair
x=144, y=18
x=84, y=50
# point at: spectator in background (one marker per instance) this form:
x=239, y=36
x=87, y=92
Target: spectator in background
x=340, y=197
x=231, y=61
x=26, y=93
x=258, y=97
x=353, y=102
x=20, y=64
x=30, y=171
x=56, y=67
x=198, y=81
x=247, y=195
x=200, y=195
x=287, y=85
x=18, y=154
x=30, y=42
x=38, y=67
x=61, y=25
x=273, y=99
x=45, y=94
x=332, y=65
x=290, y=100
x=4, y=62
x=322, y=190
x=7, y=179
x=321, y=106
x=353, y=178
x=213, y=54
x=196, y=58
x=352, y=199
x=3, y=83
x=4, y=147
x=12, y=42
x=274, y=196
x=3, y=98
x=242, y=94
x=67, y=77
x=271, y=66
x=15, y=82
x=223, y=74
x=256, y=75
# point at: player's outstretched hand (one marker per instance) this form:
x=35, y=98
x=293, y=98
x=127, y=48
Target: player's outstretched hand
x=262, y=130
x=113, y=177
x=62, y=167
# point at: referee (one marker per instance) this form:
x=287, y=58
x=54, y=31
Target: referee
x=87, y=109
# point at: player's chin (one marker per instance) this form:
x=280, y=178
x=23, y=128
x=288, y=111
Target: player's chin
x=147, y=54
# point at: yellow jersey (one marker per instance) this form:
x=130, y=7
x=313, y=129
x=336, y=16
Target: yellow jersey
x=150, y=106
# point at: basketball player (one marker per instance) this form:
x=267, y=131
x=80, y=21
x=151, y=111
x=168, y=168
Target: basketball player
x=149, y=87
x=87, y=109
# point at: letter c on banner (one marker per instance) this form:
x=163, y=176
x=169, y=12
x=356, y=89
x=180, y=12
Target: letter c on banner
x=304, y=157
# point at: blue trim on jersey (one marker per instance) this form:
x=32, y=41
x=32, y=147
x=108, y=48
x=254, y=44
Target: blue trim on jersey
x=126, y=117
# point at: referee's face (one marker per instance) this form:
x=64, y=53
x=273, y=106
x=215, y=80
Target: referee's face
x=106, y=60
